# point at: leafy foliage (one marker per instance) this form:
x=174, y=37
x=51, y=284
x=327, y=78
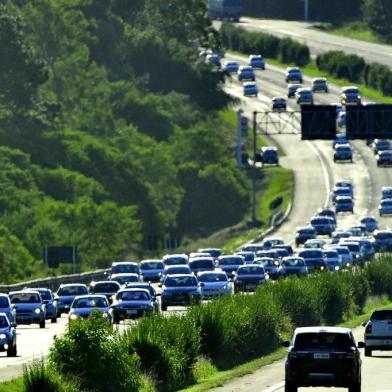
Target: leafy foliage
x=377, y=14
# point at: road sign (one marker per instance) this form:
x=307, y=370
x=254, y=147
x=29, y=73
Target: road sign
x=318, y=122
x=54, y=255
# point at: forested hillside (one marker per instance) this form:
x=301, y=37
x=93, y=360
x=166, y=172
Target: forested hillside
x=110, y=136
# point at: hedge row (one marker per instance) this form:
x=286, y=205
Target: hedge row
x=354, y=69
x=284, y=49
x=228, y=331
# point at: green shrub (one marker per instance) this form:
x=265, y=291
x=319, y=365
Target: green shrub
x=37, y=377
x=379, y=276
x=167, y=347
x=93, y=352
x=298, y=299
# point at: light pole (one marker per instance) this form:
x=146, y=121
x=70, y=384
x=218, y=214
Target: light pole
x=306, y=10
x=239, y=138
x=254, y=174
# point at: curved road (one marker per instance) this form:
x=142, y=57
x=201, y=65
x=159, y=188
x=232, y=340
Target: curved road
x=319, y=41
x=315, y=174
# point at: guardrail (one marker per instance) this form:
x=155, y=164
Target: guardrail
x=54, y=282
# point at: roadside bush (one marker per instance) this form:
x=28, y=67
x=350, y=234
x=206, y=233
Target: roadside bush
x=360, y=288
x=379, y=77
x=167, y=347
x=299, y=300
x=343, y=66
x=379, y=276
x=37, y=377
x=248, y=42
x=94, y=353
x=335, y=297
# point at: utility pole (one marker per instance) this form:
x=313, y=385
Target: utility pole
x=254, y=173
x=306, y=10
x=239, y=138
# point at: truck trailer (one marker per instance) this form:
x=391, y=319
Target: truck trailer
x=225, y=9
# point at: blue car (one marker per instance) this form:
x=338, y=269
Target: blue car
x=230, y=264
x=340, y=139
x=231, y=66
x=248, y=256
x=370, y=223
x=385, y=207
x=176, y=259
x=250, y=89
x=303, y=234
x=124, y=267
x=272, y=266
x=132, y=303
x=7, y=336
x=180, y=290
x=294, y=265
x=198, y=264
x=214, y=284
x=84, y=305
x=249, y=277
x=66, y=294
x=151, y=270
x=344, y=204
x=175, y=270
x=382, y=240
x=29, y=306
x=7, y=308
x=323, y=225
x=213, y=252
x=314, y=259
x=246, y=73
x=51, y=304
x=343, y=152
x=256, y=61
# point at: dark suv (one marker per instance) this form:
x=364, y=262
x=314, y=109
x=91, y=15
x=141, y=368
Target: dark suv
x=323, y=357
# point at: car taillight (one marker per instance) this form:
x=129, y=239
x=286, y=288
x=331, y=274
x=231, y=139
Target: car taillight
x=368, y=328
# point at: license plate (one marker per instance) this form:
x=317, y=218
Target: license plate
x=387, y=342
x=132, y=311
x=321, y=356
x=251, y=286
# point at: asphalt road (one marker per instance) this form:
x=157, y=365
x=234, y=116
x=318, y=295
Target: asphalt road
x=319, y=41
x=315, y=174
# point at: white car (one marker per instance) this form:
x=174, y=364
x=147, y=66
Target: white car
x=378, y=331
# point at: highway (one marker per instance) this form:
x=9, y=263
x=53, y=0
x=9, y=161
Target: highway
x=319, y=41
x=315, y=174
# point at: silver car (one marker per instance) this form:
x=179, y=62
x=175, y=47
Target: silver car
x=29, y=306
x=83, y=306
x=214, y=284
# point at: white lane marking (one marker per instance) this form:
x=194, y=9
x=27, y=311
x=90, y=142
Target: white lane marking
x=325, y=172
x=275, y=387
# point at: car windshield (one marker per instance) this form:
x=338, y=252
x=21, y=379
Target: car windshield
x=176, y=261
x=342, y=191
x=352, y=247
x=4, y=302
x=72, y=290
x=231, y=261
x=320, y=221
x=45, y=295
x=344, y=148
x=383, y=236
x=178, y=270
x=126, y=278
x=330, y=253
x=134, y=296
x=3, y=322
x=213, y=278
x=251, y=270
x=270, y=153
x=306, y=231
x=125, y=268
x=323, y=341
x=382, y=315
x=25, y=298
x=311, y=254
x=152, y=265
x=201, y=263
x=90, y=303
x=343, y=251
x=351, y=91
x=109, y=287
x=386, y=202
x=293, y=263
x=180, y=281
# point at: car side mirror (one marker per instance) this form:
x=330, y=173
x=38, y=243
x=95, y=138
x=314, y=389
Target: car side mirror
x=201, y=284
x=361, y=345
x=285, y=343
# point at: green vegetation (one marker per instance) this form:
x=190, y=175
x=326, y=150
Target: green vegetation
x=213, y=341
x=110, y=131
x=357, y=30
x=284, y=49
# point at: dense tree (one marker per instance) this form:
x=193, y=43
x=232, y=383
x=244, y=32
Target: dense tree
x=378, y=14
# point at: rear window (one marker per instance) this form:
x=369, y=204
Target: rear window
x=25, y=298
x=323, y=341
x=105, y=287
x=202, y=263
x=251, y=270
x=72, y=290
x=382, y=315
x=231, y=261
x=311, y=254
x=4, y=302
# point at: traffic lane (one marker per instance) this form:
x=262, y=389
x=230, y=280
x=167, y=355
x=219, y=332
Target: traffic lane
x=319, y=41
x=299, y=156
x=32, y=343
x=376, y=375
x=271, y=82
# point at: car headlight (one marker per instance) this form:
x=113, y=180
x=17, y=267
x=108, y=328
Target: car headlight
x=105, y=315
x=337, y=268
x=3, y=336
x=348, y=265
x=73, y=316
x=322, y=268
x=37, y=311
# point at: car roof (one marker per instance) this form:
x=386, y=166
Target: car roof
x=247, y=84
x=343, y=198
x=72, y=284
x=132, y=290
x=288, y=69
x=322, y=329
x=151, y=261
x=124, y=262
x=125, y=274
x=304, y=89
x=91, y=296
x=24, y=292
x=218, y=272
x=319, y=79
x=270, y=148
x=182, y=275
x=344, y=88
x=104, y=282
